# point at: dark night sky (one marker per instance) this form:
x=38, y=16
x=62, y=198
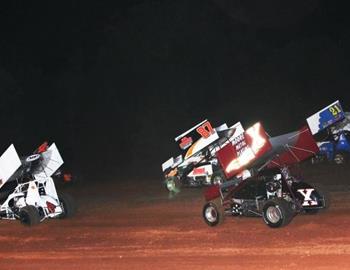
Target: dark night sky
x=113, y=83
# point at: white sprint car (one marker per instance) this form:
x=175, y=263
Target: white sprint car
x=27, y=190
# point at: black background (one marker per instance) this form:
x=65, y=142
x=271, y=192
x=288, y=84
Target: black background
x=114, y=83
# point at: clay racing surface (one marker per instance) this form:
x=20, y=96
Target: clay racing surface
x=125, y=226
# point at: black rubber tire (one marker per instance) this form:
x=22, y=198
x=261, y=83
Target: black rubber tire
x=326, y=196
x=29, y=215
x=316, y=159
x=68, y=204
x=280, y=209
x=213, y=212
x=340, y=158
x=173, y=184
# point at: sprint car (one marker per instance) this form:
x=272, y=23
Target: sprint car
x=27, y=189
x=271, y=192
x=197, y=165
x=275, y=195
x=334, y=143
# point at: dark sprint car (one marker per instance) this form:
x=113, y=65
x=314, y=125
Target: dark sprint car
x=274, y=195
x=271, y=192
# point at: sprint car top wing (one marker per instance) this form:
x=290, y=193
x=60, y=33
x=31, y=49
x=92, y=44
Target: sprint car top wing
x=199, y=139
x=196, y=139
x=325, y=117
x=9, y=163
x=254, y=149
x=52, y=161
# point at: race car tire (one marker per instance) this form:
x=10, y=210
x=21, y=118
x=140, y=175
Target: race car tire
x=326, y=196
x=217, y=178
x=213, y=212
x=29, y=215
x=173, y=184
x=317, y=159
x=68, y=204
x=339, y=158
x=277, y=213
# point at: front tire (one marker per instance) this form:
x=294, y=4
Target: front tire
x=68, y=205
x=173, y=184
x=29, y=215
x=213, y=213
x=277, y=213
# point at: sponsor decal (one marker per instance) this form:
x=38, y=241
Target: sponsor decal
x=205, y=130
x=256, y=138
x=198, y=171
x=245, y=148
x=307, y=197
x=185, y=142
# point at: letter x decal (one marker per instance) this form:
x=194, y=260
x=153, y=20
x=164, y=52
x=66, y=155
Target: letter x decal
x=307, y=196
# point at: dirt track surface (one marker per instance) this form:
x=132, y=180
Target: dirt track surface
x=139, y=227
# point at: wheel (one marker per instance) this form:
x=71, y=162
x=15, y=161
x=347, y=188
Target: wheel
x=316, y=159
x=326, y=197
x=213, y=212
x=29, y=215
x=173, y=184
x=68, y=205
x=339, y=159
x=217, y=178
x=277, y=213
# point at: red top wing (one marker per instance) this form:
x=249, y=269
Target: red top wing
x=300, y=146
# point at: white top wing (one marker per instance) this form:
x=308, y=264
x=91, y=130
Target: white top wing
x=9, y=163
x=52, y=162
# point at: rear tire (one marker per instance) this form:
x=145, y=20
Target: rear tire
x=339, y=158
x=29, y=215
x=173, y=184
x=213, y=212
x=277, y=213
x=317, y=159
x=68, y=204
